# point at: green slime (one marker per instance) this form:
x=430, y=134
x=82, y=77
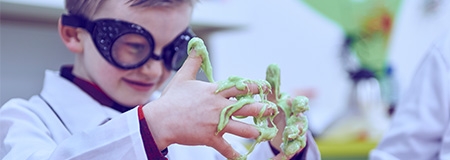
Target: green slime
x=293, y=138
x=199, y=46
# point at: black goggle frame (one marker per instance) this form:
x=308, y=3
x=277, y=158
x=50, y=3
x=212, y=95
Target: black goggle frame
x=105, y=32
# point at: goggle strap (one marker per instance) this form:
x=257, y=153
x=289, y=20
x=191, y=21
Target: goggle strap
x=74, y=21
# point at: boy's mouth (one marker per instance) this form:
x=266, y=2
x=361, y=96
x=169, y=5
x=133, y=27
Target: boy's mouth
x=139, y=86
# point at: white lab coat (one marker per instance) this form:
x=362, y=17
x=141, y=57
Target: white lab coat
x=420, y=127
x=30, y=129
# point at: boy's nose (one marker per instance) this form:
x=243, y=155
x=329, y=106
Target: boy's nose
x=153, y=68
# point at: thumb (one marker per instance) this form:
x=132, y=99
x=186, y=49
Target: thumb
x=190, y=67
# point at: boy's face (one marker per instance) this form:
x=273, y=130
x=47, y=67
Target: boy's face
x=135, y=86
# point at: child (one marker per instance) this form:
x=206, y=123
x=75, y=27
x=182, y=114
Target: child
x=420, y=126
x=106, y=105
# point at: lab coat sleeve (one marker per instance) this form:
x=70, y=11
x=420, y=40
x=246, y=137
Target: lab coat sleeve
x=264, y=151
x=422, y=117
x=24, y=135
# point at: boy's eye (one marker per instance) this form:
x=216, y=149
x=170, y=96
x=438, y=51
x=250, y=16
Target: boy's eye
x=135, y=47
x=130, y=49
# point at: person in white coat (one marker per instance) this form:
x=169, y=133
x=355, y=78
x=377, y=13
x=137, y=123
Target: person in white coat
x=106, y=105
x=420, y=127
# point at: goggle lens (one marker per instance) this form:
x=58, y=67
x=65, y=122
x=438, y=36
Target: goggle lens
x=130, y=49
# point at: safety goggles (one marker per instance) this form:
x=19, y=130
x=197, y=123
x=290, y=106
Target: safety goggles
x=127, y=45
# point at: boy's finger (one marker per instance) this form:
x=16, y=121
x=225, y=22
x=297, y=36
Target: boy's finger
x=225, y=148
x=241, y=129
x=271, y=95
x=190, y=66
x=251, y=88
x=254, y=109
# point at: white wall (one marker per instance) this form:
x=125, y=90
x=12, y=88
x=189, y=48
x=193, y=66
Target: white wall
x=26, y=50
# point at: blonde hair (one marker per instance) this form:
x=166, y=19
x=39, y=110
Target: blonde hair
x=87, y=8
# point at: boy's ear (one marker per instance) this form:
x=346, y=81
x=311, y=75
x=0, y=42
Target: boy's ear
x=70, y=37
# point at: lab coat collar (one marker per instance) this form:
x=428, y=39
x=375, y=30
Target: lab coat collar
x=93, y=90
x=77, y=110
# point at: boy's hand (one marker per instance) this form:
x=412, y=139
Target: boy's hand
x=188, y=112
x=280, y=122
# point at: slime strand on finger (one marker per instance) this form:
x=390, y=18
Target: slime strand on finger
x=199, y=46
x=273, y=77
x=266, y=132
x=227, y=111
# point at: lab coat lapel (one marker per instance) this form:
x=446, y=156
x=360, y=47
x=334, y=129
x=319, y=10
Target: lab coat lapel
x=75, y=108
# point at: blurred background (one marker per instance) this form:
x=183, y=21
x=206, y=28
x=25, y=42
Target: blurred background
x=352, y=58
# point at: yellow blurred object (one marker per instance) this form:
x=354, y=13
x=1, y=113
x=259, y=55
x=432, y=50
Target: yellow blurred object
x=351, y=136
x=345, y=149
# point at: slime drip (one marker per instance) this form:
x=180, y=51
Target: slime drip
x=199, y=46
x=293, y=138
x=261, y=123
